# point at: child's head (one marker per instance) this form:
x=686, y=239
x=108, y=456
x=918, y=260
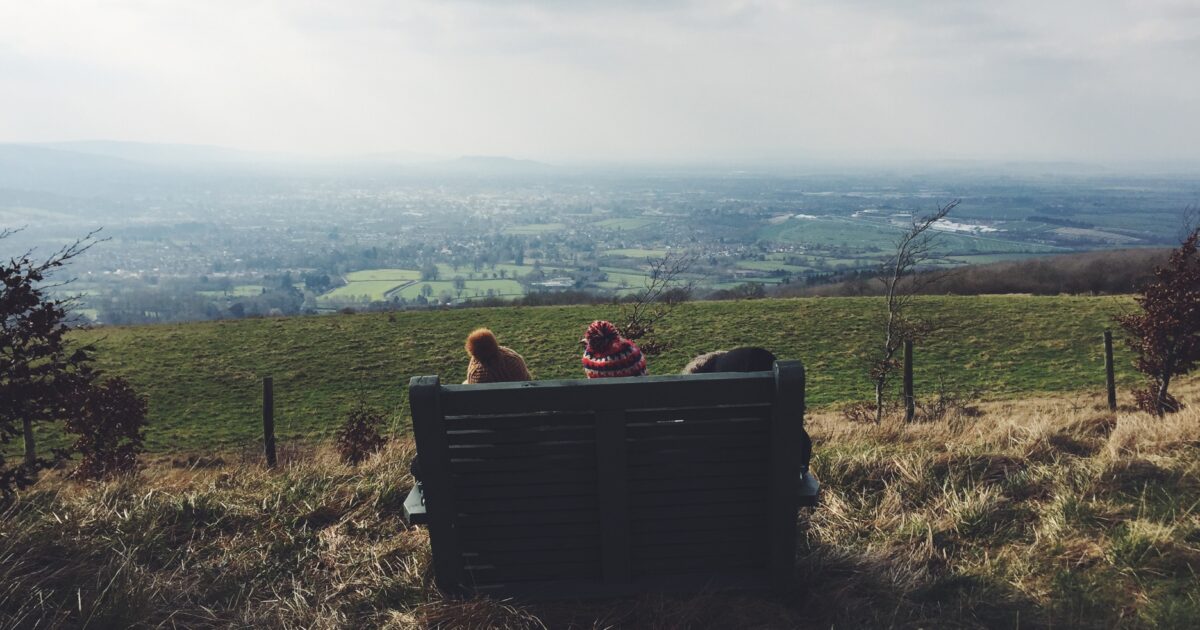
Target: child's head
x=606, y=353
x=492, y=362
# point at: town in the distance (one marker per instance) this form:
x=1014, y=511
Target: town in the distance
x=195, y=233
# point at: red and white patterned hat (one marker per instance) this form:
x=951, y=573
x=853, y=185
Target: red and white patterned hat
x=606, y=353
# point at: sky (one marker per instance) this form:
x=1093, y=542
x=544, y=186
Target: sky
x=662, y=80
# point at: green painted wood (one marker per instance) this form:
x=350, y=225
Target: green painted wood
x=787, y=424
x=614, y=494
x=612, y=486
x=698, y=390
x=424, y=393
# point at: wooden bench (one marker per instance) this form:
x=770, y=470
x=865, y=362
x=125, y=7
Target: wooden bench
x=610, y=487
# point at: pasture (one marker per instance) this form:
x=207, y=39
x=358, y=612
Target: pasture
x=203, y=379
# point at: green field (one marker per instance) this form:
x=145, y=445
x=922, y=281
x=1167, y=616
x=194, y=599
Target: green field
x=533, y=229
x=769, y=265
x=474, y=288
x=202, y=379
x=241, y=290
x=854, y=233
x=397, y=276
x=624, y=223
x=372, y=290
x=637, y=253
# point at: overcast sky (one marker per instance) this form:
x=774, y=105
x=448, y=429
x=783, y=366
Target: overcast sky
x=613, y=79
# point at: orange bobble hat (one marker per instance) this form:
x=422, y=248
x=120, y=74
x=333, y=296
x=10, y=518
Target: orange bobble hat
x=492, y=362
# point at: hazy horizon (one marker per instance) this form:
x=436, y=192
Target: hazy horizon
x=564, y=82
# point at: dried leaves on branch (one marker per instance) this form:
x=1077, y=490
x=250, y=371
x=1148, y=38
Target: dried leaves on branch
x=1165, y=335
x=666, y=288
x=359, y=436
x=108, y=420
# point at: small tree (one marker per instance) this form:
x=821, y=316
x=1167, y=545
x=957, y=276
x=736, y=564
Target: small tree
x=39, y=369
x=108, y=419
x=359, y=436
x=665, y=288
x=1165, y=335
x=897, y=274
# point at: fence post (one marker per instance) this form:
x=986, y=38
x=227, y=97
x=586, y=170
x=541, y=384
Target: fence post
x=30, y=445
x=1110, y=380
x=269, y=420
x=910, y=401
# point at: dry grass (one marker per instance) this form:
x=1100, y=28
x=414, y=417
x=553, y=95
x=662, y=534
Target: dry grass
x=1037, y=513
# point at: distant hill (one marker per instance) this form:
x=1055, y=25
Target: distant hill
x=166, y=154
x=490, y=165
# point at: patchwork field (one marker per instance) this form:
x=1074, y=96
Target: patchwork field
x=203, y=379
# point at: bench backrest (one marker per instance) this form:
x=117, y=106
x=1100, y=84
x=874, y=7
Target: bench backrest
x=611, y=486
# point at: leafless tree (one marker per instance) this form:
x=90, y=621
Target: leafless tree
x=665, y=288
x=901, y=285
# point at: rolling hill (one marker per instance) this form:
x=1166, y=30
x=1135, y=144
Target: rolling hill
x=203, y=379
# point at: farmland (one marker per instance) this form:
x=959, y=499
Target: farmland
x=202, y=379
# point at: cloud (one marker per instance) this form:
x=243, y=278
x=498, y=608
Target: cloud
x=704, y=80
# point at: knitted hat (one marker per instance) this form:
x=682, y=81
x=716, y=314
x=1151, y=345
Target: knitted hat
x=740, y=359
x=492, y=362
x=607, y=353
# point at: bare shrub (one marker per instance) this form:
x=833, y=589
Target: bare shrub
x=108, y=422
x=359, y=436
x=859, y=412
x=1146, y=399
x=665, y=289
x=949, y=403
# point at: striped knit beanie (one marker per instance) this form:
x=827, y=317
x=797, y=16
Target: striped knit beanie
x=607, y=353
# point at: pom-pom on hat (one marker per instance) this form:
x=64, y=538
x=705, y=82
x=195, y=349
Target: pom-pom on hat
x=492, y=362
x=607, y=353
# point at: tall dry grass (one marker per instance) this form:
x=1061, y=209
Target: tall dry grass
x=1039, y=513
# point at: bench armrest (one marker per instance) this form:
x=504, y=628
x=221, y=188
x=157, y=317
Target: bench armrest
x=414, y=507
x=808, y=490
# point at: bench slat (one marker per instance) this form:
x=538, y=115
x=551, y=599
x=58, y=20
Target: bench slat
x=527, y=557
x=533, y=519
x=741, y=426
x=507, y=451
x=688, y=524
x=666, y=391
x=697, y=497
x=484, y=574
x=522, y=478
x=525, y=532
x=527, y=544
x=683, y=484
x=547, y=466
x=699, y=442
x=468, y=494
x=658, y=469
x=699, y=415
x=532, y=435
x=529, y=504
x=490, y=420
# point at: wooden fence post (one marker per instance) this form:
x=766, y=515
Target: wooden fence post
x=910, y=401
x=1110, y=380
x=269, y=420
x=30, y=445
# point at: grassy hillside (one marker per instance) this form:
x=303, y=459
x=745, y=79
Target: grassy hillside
x=204, y=387
x=1047, y=513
